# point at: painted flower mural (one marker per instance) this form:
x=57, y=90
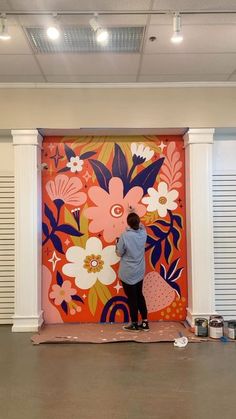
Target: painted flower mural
x=90, y=187
x=66, y=189
x=112, y=207
x=93, y=263
x=161, y=200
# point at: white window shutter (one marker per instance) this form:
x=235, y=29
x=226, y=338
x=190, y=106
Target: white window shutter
x=7, y=247
x=224, y=221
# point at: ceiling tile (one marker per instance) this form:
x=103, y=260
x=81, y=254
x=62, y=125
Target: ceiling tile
x=197, y=38
x=178, y=5
x=182, y=78
x=93, y=5
x=89, y=64
x=91, y=79
x=18, y=65
x=18, y=43
x=21, y=79
x=188, y=64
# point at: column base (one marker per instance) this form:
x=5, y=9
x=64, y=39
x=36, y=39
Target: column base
x=192, y=316
x=27, y=323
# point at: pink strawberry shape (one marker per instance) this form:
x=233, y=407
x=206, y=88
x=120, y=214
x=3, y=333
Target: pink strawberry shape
x=158, y=293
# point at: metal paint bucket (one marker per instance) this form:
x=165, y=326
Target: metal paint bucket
x=201, y=327
x=232, y=329
x=216, y=325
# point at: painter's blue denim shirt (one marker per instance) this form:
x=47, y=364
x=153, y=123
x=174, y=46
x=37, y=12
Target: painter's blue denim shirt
x=131, y=248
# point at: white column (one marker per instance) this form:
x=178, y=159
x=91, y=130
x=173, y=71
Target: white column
x=199, y=216
x=27, y=151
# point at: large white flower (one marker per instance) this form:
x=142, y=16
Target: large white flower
x=144, y=153
x=161, y=200
x=92, y=263
x=75, y=164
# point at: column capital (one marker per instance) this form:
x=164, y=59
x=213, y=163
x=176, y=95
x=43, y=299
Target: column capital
x=26, y=137
x=199, y=136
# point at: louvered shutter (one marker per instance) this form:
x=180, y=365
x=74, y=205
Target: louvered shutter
x=224, y=227
x=7, y=247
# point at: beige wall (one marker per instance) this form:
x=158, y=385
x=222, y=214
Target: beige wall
x=6, y=155
x=196, y=107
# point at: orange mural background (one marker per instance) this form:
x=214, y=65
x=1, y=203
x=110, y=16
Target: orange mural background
x=89, y=186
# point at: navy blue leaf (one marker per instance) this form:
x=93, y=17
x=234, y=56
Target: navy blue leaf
x=156, y=253
x=163, y=271
x=56, y=243
x=178, y=220
x=58, y=203
x=172, y=268
x=50, y=216
x=87, y=155
x=167, y=250
x=102, y=173
x=163, y=223
x=45, y=230
x=59, y=278
x=66, y=228
x=151, y=241
x=157, y=231
x=176, y=275
x=69, y=152
x=64, y=306
x=146, y=178
x=176, y=287
x=176, y=236
x=77, y=298
x=65, y=169
x=119, y=166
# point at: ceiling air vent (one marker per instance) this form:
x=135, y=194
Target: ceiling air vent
x=82, y=39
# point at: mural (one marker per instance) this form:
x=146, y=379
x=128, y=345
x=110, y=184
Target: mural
x=90, y=184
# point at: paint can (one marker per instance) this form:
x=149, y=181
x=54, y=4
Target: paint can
x=201, y=327
x=216, y=325
x=232, y=329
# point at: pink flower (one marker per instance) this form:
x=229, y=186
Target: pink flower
x=62, y=293
x=66, y=189
x=112, y=208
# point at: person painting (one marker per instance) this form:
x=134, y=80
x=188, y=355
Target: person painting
x=131, y=249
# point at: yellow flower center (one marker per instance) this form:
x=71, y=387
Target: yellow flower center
x=93, y=263
x=162, y=200
x=62, y=293
x=117, y=210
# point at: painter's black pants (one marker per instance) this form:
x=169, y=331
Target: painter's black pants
x=136, y=300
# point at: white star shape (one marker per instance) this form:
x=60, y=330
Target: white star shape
x=117, y=287
x=162, y=146
x=54, y=259
x=67, y=242
x=84, y=296
x=51, y=147
x=87, y=176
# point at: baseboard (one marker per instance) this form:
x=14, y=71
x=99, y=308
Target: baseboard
x=27, y=323
x=192, y=316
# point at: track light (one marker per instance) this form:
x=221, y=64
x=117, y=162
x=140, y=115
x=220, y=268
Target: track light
x=4, y=35
x=177, y=36
x=53, y=31
x=101, y=33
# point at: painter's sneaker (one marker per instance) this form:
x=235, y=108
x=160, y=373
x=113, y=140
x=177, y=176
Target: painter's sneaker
x=144, y=326
x=133, y=327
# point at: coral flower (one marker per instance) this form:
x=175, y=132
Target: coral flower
x=62, y=293
x=112, y=208
x=66, y=189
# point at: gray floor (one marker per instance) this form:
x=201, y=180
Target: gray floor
x=117, y=381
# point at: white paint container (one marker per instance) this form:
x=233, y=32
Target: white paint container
x=216, y=326
x=232, y=329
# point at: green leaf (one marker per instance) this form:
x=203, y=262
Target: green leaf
x=102, y=292
x=92, y=300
